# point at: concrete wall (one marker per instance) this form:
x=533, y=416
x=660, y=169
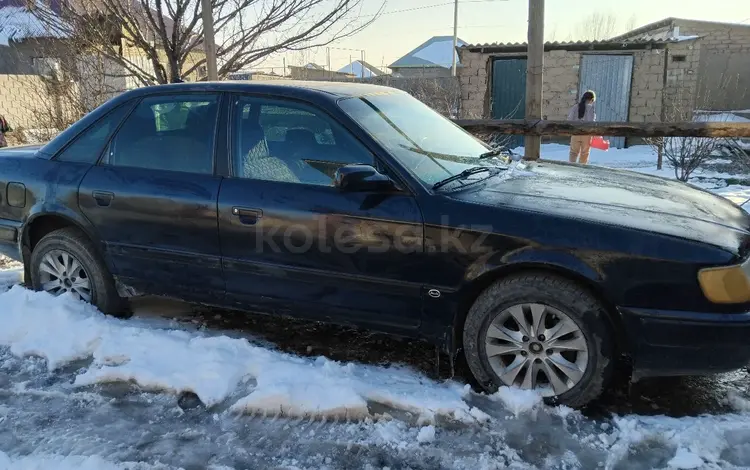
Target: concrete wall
x=561, y=79
x=22, y=100
x=723, y=76
x=422, y=72
x=681, y=89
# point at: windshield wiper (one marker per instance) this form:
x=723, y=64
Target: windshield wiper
x=492, y=153
x=463, y=174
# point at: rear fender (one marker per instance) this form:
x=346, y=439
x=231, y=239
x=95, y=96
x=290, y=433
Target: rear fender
x=67, y=217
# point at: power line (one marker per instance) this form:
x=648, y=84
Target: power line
x=424, y=7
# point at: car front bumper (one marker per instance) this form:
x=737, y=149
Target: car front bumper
x=669, y=343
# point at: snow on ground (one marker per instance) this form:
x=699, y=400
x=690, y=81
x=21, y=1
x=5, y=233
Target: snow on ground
x=215, y=368
x=81, y=390
x=85, y=391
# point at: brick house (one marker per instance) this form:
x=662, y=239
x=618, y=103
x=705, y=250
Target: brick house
x=635, y=80
x=724, y=67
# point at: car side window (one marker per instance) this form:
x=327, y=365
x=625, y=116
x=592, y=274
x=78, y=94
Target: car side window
x=278, y=140
x=173, y=132
x=88, y=146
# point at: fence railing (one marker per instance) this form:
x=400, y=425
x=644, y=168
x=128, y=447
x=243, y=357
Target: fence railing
x=625, y=129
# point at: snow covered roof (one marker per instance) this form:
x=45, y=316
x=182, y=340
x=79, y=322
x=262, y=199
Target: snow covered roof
x=435, y=52
x=360, y=68
x=18, y=23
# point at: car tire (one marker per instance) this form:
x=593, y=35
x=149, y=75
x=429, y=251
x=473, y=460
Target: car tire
x=553, y=299
x=71, y=243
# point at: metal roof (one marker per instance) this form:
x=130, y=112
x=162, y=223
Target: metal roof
x=435, y=52
x=672, y=21
x=606, y=44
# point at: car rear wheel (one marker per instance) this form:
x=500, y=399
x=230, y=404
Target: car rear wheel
x=540, y=332
x=66, y=262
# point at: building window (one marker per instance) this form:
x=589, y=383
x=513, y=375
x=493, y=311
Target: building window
x=679, y=58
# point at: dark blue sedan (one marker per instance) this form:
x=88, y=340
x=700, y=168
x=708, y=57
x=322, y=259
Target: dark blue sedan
x=360, y=205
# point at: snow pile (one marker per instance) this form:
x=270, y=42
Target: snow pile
x=57, y=462
x=737, y=402
x=215, y=368
x=426, y=434
x=698, y=442
x=8, y=277
x=517, y=401
x=684, y=459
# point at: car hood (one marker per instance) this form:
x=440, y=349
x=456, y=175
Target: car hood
x=617, y=197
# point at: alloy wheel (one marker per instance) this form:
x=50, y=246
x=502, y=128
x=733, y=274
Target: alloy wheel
x=534, y=346
x=61, y=272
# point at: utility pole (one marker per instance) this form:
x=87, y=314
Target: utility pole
x=455, y=36
x=208, y=40
x=534, y=76
x=362, y=65
x=328, y=60
x=284, y=67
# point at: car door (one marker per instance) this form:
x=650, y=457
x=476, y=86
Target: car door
x=294, y=244
x=153, y=197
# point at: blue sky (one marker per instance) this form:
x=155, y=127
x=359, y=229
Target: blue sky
x=396, y=33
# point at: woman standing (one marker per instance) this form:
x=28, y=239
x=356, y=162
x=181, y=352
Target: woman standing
x=580, y=145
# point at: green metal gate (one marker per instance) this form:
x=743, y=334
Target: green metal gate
x=509, y=94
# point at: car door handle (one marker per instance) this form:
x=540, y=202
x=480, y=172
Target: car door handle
x=247, y=216
x=103, y=198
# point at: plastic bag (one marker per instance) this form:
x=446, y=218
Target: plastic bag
x=598, y=142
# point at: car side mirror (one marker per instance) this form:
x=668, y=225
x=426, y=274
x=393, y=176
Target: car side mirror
x=361, y=178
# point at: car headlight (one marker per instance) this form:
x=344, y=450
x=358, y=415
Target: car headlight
x=727, y=284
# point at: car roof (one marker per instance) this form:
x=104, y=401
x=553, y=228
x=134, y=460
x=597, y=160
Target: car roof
x=311, y=89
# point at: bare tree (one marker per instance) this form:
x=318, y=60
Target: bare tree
x=632, y=22
x=596, y=27
x=160, y=41
x=687, y=154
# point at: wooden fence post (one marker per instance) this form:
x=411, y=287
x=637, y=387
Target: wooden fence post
x=534, y=75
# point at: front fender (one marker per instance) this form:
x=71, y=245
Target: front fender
x=530, y=258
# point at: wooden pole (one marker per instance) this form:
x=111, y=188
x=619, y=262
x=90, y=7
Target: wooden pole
x=534, y=75
x=455, y=37
x=660, y=148
x=617, y=129
x=209, y=43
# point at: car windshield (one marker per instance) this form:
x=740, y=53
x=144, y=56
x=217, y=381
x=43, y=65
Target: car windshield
x=426, y=143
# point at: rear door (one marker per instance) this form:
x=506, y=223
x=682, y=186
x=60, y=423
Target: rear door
x=292, y=243
x=153, y=197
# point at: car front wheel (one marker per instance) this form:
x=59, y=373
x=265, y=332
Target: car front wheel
x=540, y=332
x=66, y=262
